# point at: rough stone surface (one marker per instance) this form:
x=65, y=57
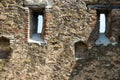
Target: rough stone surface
x=67, y=22
x=34, y=2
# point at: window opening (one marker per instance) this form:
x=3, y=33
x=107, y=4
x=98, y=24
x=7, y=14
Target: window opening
x=36, y=26
x=40, y=24
x=102, y=39
x=102, y=23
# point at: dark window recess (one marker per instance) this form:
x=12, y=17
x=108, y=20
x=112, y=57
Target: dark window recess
x=80, y=49
x=118, y=39
x=5, y=49
x=37, y=25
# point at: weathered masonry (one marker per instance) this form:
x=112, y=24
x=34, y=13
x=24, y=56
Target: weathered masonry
x=59, y=40
x=36, y=15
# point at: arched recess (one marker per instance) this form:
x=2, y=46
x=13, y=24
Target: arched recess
x=5, y=49
x=80, y=49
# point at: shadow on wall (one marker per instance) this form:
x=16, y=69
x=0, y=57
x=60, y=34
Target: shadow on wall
x=96, y=62
x=5, y=49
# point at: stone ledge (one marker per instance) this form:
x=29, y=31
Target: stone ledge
x=34, y=3
x=99, y=6
x=110, y=2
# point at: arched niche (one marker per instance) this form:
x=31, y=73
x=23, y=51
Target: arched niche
x=5, y=49
x=80, y=49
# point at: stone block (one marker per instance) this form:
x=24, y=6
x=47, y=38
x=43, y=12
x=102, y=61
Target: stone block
x=34, y=2
x=3, y=17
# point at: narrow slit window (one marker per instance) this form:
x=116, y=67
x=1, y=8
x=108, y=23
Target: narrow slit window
x=40, y=24
x=102, y=38
x=102, y=23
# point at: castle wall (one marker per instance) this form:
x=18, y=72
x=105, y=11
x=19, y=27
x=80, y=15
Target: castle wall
x=66, y=23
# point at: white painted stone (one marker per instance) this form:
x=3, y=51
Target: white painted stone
x=102, y=39
x=36, y=39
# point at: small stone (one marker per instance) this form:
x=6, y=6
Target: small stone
x=1, y=5
x=3, y=17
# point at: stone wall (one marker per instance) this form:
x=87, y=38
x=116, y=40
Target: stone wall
x=67, y=23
